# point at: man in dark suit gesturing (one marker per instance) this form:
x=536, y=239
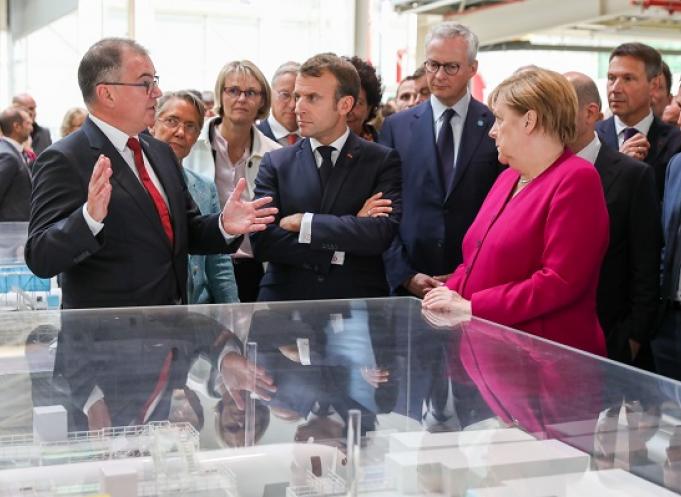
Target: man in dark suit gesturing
x=110, y=210
x=333, y=227
x=633, y=129
x=449, y=164
x=628, y=290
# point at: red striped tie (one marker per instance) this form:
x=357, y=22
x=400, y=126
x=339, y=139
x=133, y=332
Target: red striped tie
x=159, y=203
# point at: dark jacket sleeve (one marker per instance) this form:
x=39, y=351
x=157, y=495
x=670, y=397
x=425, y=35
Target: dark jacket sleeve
x=276, y=244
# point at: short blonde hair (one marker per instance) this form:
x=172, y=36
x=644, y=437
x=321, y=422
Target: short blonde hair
x=246, y=68
x=548, y=93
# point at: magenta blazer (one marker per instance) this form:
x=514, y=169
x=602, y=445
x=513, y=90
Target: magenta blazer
x=532, y=261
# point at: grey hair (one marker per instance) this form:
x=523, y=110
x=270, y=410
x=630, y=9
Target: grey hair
x=188, y=97
x=289, y=67
x=451, y=29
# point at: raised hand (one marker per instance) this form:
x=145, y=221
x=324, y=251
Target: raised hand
x=99, y=189
x=240, y=217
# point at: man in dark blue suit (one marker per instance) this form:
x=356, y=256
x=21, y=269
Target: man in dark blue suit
x=634, y=71
x=449, y=164
x=327, y=243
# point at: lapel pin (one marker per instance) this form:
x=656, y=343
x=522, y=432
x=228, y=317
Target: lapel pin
x=349, y=156
x=480, y=123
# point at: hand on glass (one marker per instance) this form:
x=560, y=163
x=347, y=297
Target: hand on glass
x=444, y=299
x=241, y=217
x=376, y=206
x=237, y=375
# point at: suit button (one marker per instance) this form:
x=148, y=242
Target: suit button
x=478, y=243
x=440, y=244
x=468, y=269
x=320, y=279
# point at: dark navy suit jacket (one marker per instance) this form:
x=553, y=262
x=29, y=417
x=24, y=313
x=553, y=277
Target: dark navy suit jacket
x=298, y=271
x=130, y=262
x=435, y=218
x=665, y=141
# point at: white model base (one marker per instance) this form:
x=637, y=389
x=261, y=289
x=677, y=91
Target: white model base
x=118, y=481
x=50, y=424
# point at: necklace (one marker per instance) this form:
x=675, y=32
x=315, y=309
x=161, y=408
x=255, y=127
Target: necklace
x=524, y=181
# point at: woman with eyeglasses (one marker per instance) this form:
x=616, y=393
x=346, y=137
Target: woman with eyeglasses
x=231, y=147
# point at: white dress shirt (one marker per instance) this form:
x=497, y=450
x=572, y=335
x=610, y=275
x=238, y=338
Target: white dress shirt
x=456, y=122
x=305, y=235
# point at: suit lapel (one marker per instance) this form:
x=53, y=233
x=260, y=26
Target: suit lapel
x=347, y=157
x=423, y=150
x=474, y=129
x=608, y=133
x=607, y=166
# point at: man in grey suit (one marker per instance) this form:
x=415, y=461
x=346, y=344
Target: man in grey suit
x=15, y=177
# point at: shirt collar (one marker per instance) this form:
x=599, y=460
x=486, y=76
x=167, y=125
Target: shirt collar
x=643, y=126
x=590, y=152
x=278, y=129
x=460, y=107
x=337, y=144
x=118, y=138
x=15, y=144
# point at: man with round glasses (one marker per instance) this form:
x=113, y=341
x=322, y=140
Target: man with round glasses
x=110, y=211
x=448, y=164
x=281, y=125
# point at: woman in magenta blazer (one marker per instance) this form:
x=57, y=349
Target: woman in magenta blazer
x=532, y=256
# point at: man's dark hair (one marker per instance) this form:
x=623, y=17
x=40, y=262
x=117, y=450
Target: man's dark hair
x=102, y=62
x=370, y=83
x=650, y=57
x=9, y=117
x=667, y=73
x=344, y=72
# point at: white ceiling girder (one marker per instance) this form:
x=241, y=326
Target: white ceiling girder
x=515, y=20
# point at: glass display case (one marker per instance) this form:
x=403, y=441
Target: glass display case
x=354, y=397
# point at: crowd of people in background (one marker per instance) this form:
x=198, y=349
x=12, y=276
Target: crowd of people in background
x=532, y=211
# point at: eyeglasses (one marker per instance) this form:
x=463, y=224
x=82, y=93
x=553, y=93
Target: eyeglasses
x=235, y=92
x=433, y=67
x=172, y=123
x=148, y=85
x=284, y=96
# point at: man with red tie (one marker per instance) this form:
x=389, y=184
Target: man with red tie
x=110, y=210
x=281, y=125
